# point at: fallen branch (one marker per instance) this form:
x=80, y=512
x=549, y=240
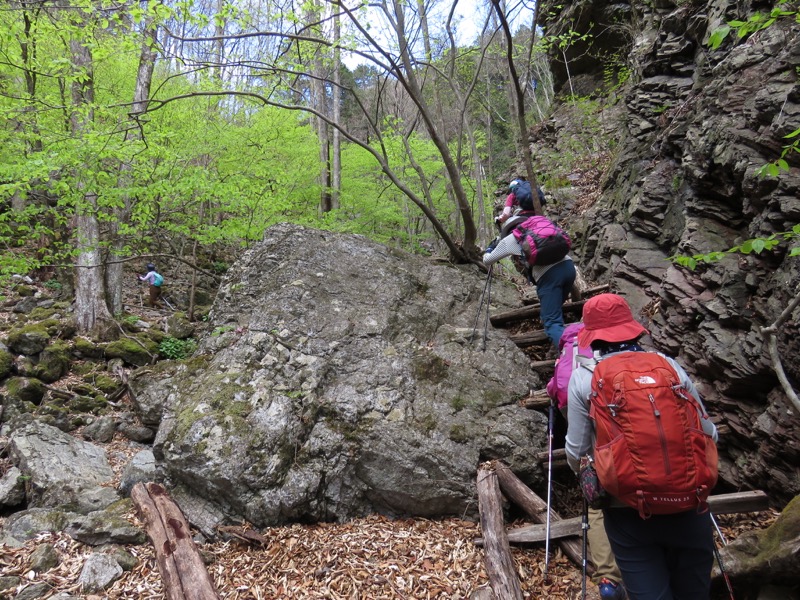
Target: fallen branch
x=772, y=344
x=499, y=564
x=179, y=562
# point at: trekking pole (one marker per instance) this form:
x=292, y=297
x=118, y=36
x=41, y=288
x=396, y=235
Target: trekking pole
x=486, y=287
x=167, y=303
x=719, y=557
x=488, y=304
x=585, y=529
x=549, y=488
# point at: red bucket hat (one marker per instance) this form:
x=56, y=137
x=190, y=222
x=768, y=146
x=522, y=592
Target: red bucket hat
x=608, y=317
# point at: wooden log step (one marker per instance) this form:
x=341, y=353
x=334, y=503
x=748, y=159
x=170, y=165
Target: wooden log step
x=533, y=310
x=530, y=312
x=720, y=504
x=540, y=365
x=523, y=340
x=536, y=508
x=536, y=400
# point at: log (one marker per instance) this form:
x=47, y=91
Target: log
x=558, y=454
x=179, y=562
x=538, y=365
x=529, y=312
x=503, y=577
x=533, y=338
x=536, y=400
x=538, y=533
x=737, y=502
x=533, y=310
x=522, y=495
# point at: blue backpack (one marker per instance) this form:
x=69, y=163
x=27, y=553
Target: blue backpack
x=157, y=279
x=523, y=195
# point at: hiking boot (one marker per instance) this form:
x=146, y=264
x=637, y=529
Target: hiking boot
x=611, y=591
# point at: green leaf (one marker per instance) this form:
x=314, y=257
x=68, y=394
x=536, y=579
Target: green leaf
x=795, y=251
x=718, y=36
x=758, y=245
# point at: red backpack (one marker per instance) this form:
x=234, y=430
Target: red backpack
x=543, y=242
x=650, y=451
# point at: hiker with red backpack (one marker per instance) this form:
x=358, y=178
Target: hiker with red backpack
x=571, y=356
x=544, y=246
x=638, y=431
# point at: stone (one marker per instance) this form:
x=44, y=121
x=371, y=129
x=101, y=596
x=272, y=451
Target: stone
x=44, y=558
x=99, y=571
x=324, y=394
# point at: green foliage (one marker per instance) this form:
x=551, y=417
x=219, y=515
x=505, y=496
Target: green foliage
x=222, y=329
x=774, y=168
x=756, y=22
x=175, y=349
x=751, y=246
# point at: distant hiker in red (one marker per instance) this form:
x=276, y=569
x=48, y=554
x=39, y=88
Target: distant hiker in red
x=640, y=417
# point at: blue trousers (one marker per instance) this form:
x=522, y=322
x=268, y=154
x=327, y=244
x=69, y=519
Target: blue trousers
x=665, y=557
x=553, y=288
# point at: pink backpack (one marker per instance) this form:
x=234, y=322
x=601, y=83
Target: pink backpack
x=543, y=242
x=568, y=352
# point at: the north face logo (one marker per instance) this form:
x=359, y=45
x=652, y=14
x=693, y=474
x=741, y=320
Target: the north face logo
x=645, y=380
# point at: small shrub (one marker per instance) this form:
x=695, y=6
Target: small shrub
x=218, y=331
x=176, y=349
x=53, y=285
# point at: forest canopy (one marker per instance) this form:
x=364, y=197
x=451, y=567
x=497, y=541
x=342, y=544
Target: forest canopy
x=186, y=127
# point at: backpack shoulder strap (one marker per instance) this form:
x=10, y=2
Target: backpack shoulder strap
x=584, y=361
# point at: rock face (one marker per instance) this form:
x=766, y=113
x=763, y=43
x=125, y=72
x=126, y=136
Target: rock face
x=340, y=379
x=695, y=126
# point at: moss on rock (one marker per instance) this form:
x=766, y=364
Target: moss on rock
x=85, y=348
x=28, y=339
x=6, y=361
x=25, y=389
x=137, y=351
x=54, y=362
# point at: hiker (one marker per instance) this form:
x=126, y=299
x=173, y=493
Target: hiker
x=571, y=355
x=519, y=200
x=661, y=538
x=154, y=280
x=553, y=281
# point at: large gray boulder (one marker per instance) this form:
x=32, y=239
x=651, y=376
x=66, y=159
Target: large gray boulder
x=340, y=378
x=60, y=470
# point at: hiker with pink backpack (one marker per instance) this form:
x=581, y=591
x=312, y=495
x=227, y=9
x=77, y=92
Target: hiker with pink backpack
x=571, y=356
x=544, y=247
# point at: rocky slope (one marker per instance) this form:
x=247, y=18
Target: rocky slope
x=686, y=134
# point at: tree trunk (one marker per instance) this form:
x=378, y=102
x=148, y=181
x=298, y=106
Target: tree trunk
x=523, y=145
x=336, y=166
x=91, y=312
x=141, y=96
